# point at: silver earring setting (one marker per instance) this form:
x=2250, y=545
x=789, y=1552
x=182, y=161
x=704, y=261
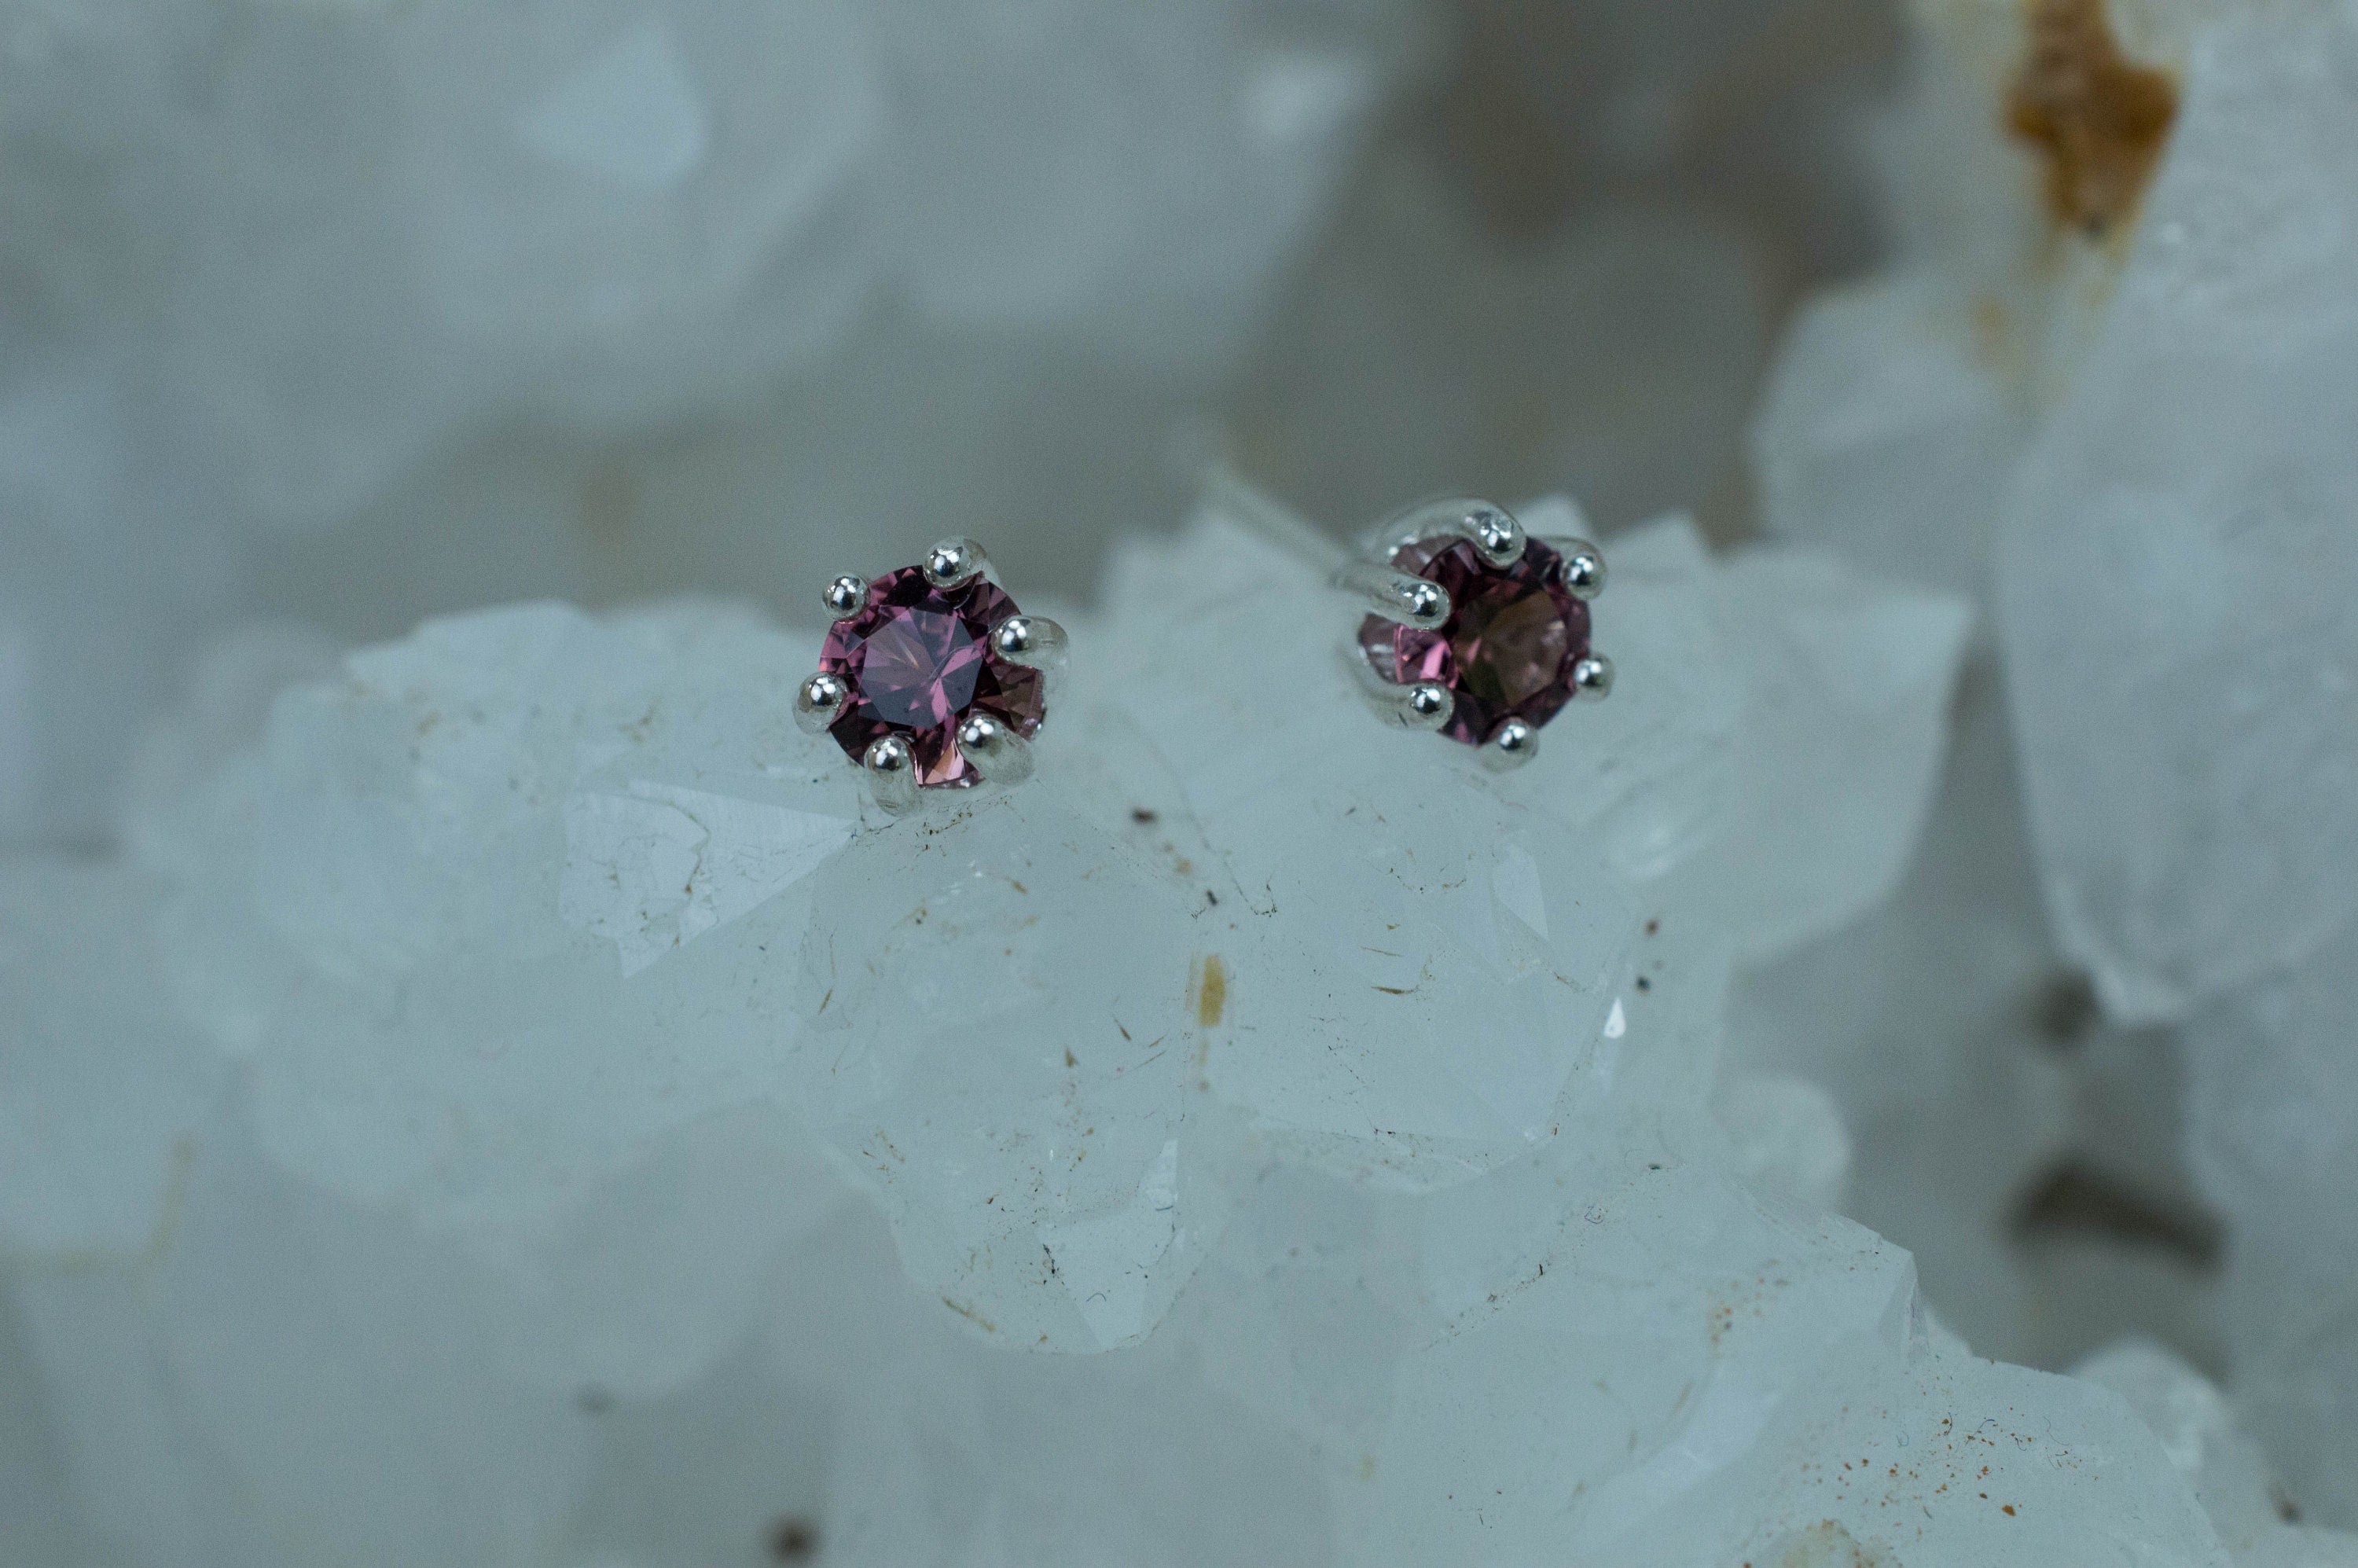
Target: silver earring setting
x=1475, y=628
x=931, y=678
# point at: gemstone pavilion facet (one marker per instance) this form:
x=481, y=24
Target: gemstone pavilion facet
x=1509, y=644
x=918, y=660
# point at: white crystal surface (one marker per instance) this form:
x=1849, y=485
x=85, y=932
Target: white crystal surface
x=1356, y=1109
x=2272, y=1114
x=503, y=1096
x=1000, y=1026
x=2129, y=437
x=1887, y=431
x=270, y=270
x=2176, y=564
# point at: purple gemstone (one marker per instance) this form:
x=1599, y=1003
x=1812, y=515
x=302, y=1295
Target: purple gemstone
x=1507, y=648
x=918, y=660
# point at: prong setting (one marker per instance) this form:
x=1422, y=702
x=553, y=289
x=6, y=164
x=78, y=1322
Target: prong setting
x=934, y=679
x=1498, y=536
x=892, y=767
x=1510, y=746
x=1410, y=705
x=994, y=749
x=1424, y=705
x=1491, y=530
x=844, y=596
x=1032, y=640
x=1396, y=595
x=819, y=700
x=1584, y=567
x=953, y=563
x=1512, y=650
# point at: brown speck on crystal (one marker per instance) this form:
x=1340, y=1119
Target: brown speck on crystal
x=2097, y=120
x=1211, y=992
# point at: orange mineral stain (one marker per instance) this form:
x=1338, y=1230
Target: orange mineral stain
x=2097, y=120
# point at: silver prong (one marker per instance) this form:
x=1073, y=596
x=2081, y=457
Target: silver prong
x=819, y=702
x=845, y=595
x=1411, y=705
x=1584, y=567
x=1489, y=527
x=1394, y=595
x=1032, y=640
x=1496, y=533
x=892, y=767
x=1422, y=704
x=1592, y=679
x=955, y=562
x=1510, y=745
x=1000, y=754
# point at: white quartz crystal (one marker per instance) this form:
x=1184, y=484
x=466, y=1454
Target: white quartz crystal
x=2126, y=433
x=2175, y=563
x=2201, y=1434
x=271, y=268
x=2272, y=1113
x=1886, y=429
x=528, y=1003
x=502, y=1094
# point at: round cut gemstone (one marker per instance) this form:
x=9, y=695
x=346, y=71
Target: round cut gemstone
x=918, y=660
x=1507, y=649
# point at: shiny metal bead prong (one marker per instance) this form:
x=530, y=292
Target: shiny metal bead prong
x=845, y=595
x=1422, y=704
x=1510, y=746
x=1000, y=754
x=1032, y=640
x=1498, y=537
x=1592, y=679
x=892, y=773
x=1584, y=567
x=820, y=702
x=1488, y=527
x=1395, y=596
x=1411, y=705
x=955, y=562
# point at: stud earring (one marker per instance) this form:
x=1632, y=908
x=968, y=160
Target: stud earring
x=1475, y=628
x=931, y=678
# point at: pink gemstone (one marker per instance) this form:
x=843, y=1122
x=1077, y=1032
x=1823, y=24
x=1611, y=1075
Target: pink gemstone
x=918, y=660
x=1507, y=648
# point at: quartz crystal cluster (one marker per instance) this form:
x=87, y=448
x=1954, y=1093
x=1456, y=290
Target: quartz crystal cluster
x=498, y=1090
x=523, y=1103
x=268, y=267
x=2105, y=386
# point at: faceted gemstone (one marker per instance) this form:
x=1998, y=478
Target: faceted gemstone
x=918, y=660
x=1507, y=648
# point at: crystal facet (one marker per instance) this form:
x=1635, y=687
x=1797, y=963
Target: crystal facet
x=918, y=659
x=1508, y=646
